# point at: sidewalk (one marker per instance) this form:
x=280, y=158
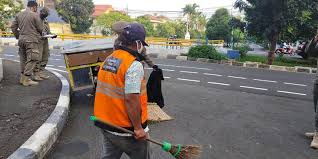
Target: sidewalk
x=23, y=109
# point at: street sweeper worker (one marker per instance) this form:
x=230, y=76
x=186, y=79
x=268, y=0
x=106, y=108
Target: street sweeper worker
x=121, y=97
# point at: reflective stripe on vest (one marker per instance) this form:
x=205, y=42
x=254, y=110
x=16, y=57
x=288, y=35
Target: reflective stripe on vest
x=110, y=92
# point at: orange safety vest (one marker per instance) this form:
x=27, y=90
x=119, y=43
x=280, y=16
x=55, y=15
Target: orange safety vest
x=110, y=103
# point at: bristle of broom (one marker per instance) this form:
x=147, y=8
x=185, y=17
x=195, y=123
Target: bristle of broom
x=187, y=152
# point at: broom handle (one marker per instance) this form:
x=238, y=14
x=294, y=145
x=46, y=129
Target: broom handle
x=130, y=132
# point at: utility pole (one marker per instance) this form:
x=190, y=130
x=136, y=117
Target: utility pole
x=232, y=32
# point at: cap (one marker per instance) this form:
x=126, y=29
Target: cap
x=32, y=3
x=45, y=10
x=119, y=26
x=134, y=32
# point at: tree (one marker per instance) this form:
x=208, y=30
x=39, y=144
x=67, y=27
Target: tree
x=8, y=8
x=180, y=28
x=195, y=19
x=77, y=13
x=147, y=23
x=218, y=27
x=165, y=30
x=304, y=25
x=108, y=19
x=270, y=19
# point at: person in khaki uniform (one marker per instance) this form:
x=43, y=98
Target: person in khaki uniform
x=44, y=44
x=27, y=27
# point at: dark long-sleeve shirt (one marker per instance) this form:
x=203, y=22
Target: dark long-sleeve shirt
x=28, y=26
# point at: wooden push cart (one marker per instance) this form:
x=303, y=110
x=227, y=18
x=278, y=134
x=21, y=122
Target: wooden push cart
x=81, y=59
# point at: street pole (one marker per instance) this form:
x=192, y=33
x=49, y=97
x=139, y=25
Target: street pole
x=232, y=38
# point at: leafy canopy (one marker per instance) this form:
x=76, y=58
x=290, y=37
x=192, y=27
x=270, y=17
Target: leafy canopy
x=218, y=27
x=8, y=8
x=108, y=19
x=77, y=13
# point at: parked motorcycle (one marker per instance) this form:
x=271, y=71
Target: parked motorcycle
x=283, y=51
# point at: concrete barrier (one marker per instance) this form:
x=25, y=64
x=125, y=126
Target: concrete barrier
x=290, y=69
x=235, y=63
x=277, y=68
x=214, y=61
x=251, y=64
x=169, y=56
x=192, y=59
x=182, y=58
x=263, y=66
x=314, y=70
x=303, y=69
x=202, y=59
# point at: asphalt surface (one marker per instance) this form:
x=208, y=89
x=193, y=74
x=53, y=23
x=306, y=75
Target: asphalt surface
x=232, y=112
x=23, y=109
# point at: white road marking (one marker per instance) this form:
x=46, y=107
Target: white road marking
x=61, y=66
x=188, y=72
x=190, y=80
x=256, y=88
x=211, y=74
x=236, y=77
x=16, y=60
x=9, y=55
x=216, y=83
x=148, y=68
x=167, y=77
x=295, y=93
x=265, y=80
x=50, y=68
x=168, y=70
x=199, y=68
x=56, y=59
x=295, y=84
x=51, y=65
x=55, y=55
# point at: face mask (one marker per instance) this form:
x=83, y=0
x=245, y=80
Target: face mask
x=43, y=15
x=140, y=46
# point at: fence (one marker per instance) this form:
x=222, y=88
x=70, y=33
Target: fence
x=152, y=41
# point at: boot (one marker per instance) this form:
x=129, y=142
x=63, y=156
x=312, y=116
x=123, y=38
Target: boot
x=43, y=75
x=26, y=81
x=314, y=142
x=36, y=77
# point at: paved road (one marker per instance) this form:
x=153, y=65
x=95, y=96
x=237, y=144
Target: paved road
x=233, y=112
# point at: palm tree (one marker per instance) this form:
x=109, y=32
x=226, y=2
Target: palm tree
x=190, y=10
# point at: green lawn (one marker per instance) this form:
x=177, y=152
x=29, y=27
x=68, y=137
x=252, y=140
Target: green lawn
x=280, y=61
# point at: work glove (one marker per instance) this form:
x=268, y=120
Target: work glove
x=55, y=36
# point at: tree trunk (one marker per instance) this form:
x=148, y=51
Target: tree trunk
x=272, y=48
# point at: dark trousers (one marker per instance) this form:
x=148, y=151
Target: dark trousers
x=114, y=146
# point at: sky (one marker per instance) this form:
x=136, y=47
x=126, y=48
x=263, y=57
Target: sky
x=141, y=7
x=164, y=5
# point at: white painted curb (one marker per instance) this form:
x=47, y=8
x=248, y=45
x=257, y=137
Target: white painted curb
x=43, y=139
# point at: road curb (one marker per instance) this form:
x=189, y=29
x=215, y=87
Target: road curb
x=247, y=64
x=1, y=70
x=44, y=137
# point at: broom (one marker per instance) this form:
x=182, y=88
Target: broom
x=177, y=151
